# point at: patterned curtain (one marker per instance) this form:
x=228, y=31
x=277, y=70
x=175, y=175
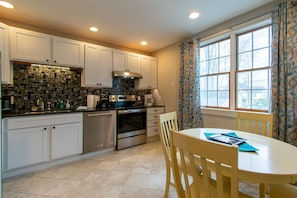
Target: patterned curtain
x=189, y=115
x=284, y=72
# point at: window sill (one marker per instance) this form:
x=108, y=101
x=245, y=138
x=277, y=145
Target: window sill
x=219, y=112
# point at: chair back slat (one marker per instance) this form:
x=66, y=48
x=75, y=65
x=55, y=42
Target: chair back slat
x=219, y=158
x=259, y=123
x=167, y=122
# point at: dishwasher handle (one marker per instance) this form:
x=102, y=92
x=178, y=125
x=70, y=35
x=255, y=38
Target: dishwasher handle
x=99, y=114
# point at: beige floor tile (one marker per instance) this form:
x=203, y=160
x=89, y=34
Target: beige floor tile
x=136, y=172
x=138, y=180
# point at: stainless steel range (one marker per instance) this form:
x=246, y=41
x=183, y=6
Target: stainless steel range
x=131, y=121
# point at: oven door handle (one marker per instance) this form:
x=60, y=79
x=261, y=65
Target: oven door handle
x=131, y=111
x=99, y=114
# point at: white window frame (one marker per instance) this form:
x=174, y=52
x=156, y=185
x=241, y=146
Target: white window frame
x=231, y=33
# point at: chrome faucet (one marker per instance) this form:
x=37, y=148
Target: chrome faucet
x=40, y=104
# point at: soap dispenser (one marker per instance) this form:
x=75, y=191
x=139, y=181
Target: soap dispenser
x=67, y=104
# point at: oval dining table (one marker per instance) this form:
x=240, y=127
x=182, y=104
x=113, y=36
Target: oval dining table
x=275, y=161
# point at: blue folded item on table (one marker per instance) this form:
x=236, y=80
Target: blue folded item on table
x=242, y=147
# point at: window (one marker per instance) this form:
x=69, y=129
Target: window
x=253, y=69
x=235, y=68
x=215, y=74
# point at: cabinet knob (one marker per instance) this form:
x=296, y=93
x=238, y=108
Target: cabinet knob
x=46, y=60
x=55, y=61
x=54, y=127
x=44, y=129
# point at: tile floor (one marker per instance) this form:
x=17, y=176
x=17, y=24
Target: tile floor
x=137, y=172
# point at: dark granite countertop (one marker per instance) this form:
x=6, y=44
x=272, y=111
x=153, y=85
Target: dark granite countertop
x=59, y=111
x=51, y=112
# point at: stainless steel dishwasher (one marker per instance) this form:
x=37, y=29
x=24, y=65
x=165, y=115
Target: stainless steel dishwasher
x=99, y=130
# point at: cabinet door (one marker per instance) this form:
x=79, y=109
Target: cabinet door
x=26, y=147
x=133, y=62
x=154, y=73
x=119, y=60
x=4, y=48
x=90, y=73
x=66, y=140
x=148, y=70
x=145, y=71
x=29, y=46
x=105, y=67
x=67, y=52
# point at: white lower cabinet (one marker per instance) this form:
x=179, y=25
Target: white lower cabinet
x=35, y=139
x=26, y=147
x=66, y=140
x=152, y=120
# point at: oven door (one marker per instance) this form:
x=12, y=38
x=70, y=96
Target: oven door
x=131, y=128
x=131, y=120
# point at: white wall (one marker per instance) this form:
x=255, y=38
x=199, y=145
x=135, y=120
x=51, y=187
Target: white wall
x=168, y=76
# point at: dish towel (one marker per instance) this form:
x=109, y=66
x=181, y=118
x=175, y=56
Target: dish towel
x=245, y=147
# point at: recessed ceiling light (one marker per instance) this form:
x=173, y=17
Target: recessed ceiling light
x=143, y=43
x=94, y=29
x=193, y=15
x=6, y=4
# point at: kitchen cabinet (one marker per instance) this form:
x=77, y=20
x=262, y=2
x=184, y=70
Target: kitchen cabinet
x=98, y=66
x=26, y=147
x=31, y=140
x=42, y=48
x=125, y=61
x=149, y=72
x=4, y=48
x=66, y=140
x=29, y=46
x=68, y=52
x=152, y=120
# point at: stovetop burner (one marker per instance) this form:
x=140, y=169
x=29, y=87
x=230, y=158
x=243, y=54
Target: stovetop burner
x=124, y=102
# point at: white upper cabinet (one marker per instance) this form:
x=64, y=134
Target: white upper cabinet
x=98, y=66
x=149, y=72
x=125, y=61
x=133, y=62
x=105, y=69
x=30, y=46
x=37, y=47
x=4, y=48
x=68, y=52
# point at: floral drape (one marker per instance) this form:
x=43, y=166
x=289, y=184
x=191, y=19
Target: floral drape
x=284, y=72
x=189, y=115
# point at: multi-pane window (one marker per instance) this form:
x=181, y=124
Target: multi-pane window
x=215, y=74
x=253, y=69
x=235, y=73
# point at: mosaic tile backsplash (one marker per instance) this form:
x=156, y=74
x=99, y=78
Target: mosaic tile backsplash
x=56, y=84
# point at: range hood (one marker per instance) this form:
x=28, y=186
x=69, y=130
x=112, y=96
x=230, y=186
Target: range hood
x=125, y=74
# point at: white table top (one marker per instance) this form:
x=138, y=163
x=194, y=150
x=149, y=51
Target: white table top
x=274, y=162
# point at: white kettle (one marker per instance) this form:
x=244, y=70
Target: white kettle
x=148, y=100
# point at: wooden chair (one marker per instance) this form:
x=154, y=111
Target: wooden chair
x=197, y=184
x=260, y=123
x=282, y=190
x=167, y=122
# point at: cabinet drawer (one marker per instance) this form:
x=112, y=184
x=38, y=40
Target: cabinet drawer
x=157, y=110
x=152, y=123
x=153, y=117
x=42, y=120
x=151, y=131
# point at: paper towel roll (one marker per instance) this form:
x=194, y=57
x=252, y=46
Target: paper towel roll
x=90, y=101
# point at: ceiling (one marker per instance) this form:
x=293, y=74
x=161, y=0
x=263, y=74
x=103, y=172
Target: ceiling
x=127, y=22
